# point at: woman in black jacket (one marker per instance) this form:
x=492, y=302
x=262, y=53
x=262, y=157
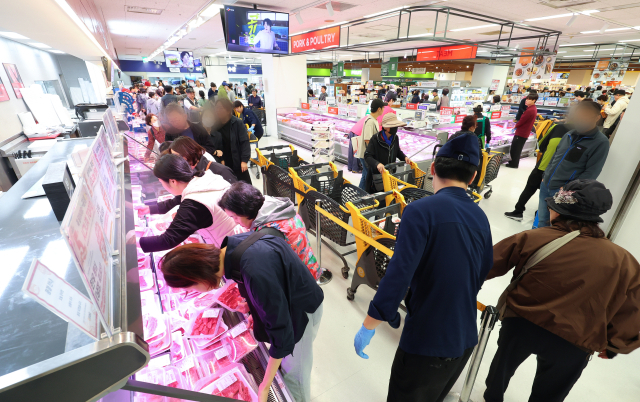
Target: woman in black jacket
x=384, y=148
x=236, y=150
x=416, y=97
x=483, y=125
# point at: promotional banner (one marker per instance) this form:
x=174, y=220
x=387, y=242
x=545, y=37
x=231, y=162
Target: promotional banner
x=338, y=69
x=126, y=102
x=316, y=40
x=447, y=53
x=494, y=85
x=612, y=69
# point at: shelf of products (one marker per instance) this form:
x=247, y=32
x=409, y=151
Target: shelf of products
x=466, y=96
x=295, y=127
x=197, y=341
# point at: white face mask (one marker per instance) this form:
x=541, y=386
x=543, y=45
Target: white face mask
x=156, y=124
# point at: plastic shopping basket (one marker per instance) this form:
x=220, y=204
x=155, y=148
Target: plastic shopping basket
x=491, y=162
x=396, y=182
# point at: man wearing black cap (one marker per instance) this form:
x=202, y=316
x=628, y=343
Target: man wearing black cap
x=442, y=255
x=583, y=298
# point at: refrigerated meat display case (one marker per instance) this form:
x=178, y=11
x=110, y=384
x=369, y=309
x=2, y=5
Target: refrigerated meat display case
x=295, y=126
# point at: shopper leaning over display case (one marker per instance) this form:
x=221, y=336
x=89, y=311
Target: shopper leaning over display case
x=197, y=194
x=250, y=209
x=442, y=255
x=236, y=150
x=284, y=299
x=199, y=159
x=581, y=154
x=582, y=299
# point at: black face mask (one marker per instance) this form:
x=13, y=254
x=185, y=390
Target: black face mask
x=393, y=130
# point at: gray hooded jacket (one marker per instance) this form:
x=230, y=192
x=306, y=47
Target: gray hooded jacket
x=274, y=209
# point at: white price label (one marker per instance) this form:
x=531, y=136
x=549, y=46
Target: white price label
x=226, y=381
x=238, y=329
x=171, y=377
x=188, y=363
x=220, y=353
x=213, y=313
x=161, y=361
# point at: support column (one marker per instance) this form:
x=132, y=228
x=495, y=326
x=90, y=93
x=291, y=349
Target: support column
x=217, y=73
x=483, y=74
x=579, y=77
x=285, y=85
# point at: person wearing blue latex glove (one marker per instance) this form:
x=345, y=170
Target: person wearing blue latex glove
x=443, y=254
x=363, y=337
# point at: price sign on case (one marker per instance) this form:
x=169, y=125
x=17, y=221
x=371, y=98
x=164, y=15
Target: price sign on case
x=446, y=111
x=496, y=115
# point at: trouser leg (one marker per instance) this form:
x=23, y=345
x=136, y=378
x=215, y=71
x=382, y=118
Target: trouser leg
x=416, y=378
x=363, y=178
x=516, y=149
x=543, y=211
x=533, y=184
x=297, y=366
x=514, y=347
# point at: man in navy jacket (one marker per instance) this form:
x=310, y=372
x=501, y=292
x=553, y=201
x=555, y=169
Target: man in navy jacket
x=442, y=255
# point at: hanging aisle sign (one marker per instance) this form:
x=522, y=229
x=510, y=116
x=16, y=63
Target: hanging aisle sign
x=316, y=40
x=447, y=53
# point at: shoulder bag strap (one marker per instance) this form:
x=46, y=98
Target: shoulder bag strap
x=535, y=259
x=208, y=164
x=234, y=268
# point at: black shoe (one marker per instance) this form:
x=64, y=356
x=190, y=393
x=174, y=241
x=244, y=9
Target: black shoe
x=515, y=215
x=510, y=166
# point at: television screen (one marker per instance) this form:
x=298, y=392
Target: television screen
x=175, y=58
x=251, y=30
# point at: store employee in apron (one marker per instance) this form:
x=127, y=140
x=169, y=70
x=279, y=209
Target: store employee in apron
x=442, y=255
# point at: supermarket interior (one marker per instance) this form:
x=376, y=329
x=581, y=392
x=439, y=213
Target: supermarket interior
x=204, y=200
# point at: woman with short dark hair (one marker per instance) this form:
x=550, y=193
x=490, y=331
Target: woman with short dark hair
x=197, y=193
x=251, y=210
x=583, y=298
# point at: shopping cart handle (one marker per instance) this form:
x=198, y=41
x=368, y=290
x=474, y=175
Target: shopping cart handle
x=314, y=166
x=394, y=164
x=480, y=306
x=273, y=147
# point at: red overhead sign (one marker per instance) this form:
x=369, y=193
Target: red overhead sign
x=316, y=40
x=447, y=53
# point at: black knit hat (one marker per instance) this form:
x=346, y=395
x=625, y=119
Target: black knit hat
x=583, y=200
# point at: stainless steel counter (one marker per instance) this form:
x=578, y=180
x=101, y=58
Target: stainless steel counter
x=29, y=333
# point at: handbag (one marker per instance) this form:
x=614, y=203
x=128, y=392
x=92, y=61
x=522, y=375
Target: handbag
x=378, y=184
x=535, y=259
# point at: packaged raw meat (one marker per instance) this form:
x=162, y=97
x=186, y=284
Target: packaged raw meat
x=204, y=324
x=215, y=359
x=156, y=334
x=180, y=348
x=173, y=379
x=145, y=263
x=203, y=343
x=194, y=238
x=189, y=371
x=229, y=297
x=146, y=279
x=169, y=302
x=240, y=341
x=204, y=300
x=231, y=383
x=178, y=323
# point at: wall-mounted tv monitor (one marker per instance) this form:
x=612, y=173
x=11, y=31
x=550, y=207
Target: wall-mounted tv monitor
x=174, y=58
x=261, y=31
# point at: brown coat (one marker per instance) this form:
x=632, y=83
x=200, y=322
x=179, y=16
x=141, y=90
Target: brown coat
x=587, y=292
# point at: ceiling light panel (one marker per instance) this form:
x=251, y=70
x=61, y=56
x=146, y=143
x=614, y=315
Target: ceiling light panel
x=39, y=45
x=143, y=10
x=476, y=27
x=13, y=35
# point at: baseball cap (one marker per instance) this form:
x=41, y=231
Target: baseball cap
x=390, y=120
x=463, y=148
x=620, y=92
x=478, y=105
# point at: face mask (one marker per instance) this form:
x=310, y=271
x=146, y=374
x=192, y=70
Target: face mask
x=393, y=130
x=156, y=124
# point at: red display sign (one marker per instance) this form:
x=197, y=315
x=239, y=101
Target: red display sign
x=305, y=106
x=447, y=53
x=333, y=110
x=316, y=40
x=496, y=115
x=460, y=117
x=446, y=111
x=412, y=106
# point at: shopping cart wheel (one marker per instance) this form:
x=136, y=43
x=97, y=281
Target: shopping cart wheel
x=487, y=195
x=258, y=174
x=345, y=272
x=350, y=294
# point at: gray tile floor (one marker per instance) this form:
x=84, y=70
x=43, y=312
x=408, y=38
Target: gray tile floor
x=340, y=375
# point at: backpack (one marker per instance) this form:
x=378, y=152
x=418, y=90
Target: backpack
x=234, y=271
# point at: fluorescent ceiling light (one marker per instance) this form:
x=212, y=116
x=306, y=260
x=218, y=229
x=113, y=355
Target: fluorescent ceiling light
x=40, y=45
x=578, y=44
x=476, y=27
x=573, y=57
x=299, y=18
x=565, y=52
x=572, y=20
x=299, y=33
x=330, y=8
x=211, y=10
x=587, y=12
x=629, y=40
x=606, y=30
x=13, y=35
x=57, y=51
x=332, y=25
x=384, y=12
x=600, y=50
x=383, y=17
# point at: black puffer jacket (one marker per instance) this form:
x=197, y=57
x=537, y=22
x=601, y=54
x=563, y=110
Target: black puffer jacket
x=379, y=152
